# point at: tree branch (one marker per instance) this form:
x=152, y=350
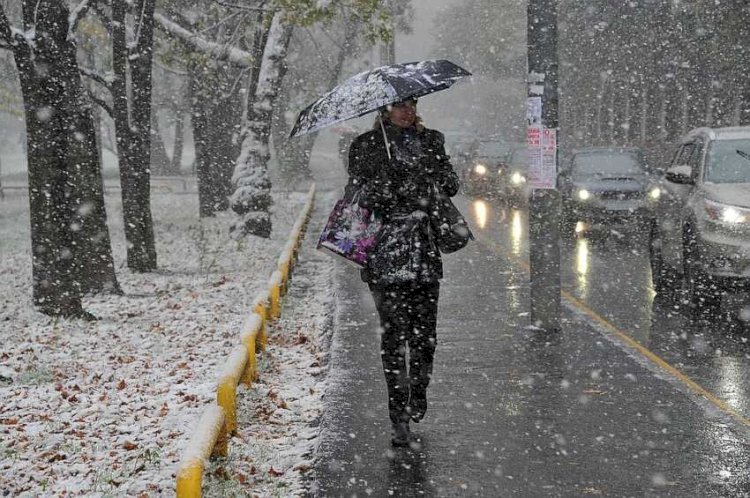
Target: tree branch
x=170, y=69
x=259, y=8
x=101, y=103
x=76, y=15
x=102, y=80
x=103, y=17
x=199, y=44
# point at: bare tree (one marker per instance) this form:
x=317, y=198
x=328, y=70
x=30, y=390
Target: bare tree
x=71, y=251
x=131, y=63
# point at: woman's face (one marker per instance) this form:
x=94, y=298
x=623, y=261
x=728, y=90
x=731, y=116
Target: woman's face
x=403, y=114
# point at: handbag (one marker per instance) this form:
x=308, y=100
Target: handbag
x=452, y=232
x=351, y=231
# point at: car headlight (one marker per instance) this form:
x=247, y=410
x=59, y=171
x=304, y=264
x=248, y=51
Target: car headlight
x=480, y=169
x=724, y=213
x=584, y=194
x=655, y=193
x=517, y=178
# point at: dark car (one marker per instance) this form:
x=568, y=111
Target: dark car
x=488, y=163
x=606, y=186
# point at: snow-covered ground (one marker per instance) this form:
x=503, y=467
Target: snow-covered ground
x=104, y=408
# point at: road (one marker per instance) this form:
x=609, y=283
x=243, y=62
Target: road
x=630, y=399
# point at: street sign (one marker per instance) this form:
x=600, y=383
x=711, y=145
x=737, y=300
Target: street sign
x=542, y=143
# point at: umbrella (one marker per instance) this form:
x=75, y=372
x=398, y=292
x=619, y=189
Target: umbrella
x=368, y=91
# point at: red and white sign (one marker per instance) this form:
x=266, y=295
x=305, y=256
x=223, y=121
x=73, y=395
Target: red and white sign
x=542, y=143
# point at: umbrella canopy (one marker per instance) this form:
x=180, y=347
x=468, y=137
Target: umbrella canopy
x=371, y=90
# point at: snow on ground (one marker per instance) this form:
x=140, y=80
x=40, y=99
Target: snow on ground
x=278, y=416
x=104, y=408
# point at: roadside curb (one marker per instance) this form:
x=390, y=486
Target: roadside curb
x=219, y=422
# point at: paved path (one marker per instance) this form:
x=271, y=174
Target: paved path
x=514, y=412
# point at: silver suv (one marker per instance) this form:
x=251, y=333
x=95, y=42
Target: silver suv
x=701, y=233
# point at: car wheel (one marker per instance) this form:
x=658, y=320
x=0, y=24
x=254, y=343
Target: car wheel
x=663, y=277
x=703, y=292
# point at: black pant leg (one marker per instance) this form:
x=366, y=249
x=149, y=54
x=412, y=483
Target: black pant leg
x=392, y=305
x=423, y=334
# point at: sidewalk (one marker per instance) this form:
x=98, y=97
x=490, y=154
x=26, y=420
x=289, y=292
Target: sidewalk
x=514, y=412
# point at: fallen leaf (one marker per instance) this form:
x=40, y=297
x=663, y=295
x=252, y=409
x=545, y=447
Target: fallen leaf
x=275, y=473
x=121, y=385
x=129, y=445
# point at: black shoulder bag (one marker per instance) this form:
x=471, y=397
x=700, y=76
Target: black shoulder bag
x=451, y=229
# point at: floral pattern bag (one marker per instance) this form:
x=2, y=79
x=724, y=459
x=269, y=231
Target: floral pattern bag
x=351, y=231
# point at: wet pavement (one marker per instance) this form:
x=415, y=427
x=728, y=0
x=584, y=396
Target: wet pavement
x=517, y=412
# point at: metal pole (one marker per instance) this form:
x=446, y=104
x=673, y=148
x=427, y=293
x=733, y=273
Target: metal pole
x=544, y=205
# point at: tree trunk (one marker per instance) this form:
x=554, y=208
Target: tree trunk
x=179, y=142
x=201, y=140
x=132, y=127
x=159, y=159
x=252, y=187
x=215, y=130
x=71, y=251
x=294, y=154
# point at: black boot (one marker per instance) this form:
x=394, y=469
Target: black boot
x=400, y=433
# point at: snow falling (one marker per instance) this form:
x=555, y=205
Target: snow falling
x=591, y=336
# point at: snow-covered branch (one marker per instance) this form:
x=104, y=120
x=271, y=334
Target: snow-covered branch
x=76, y=15
x=101, y=103
x=257, y=8
x=104, y=80
x=221, y=52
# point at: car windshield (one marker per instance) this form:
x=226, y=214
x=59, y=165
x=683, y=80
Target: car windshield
x=729, y=161
x=492, y=149
x=607, y=164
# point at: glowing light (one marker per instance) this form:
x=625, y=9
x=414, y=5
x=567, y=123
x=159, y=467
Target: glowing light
x=582, y=266
x=516, y=232
x=584, y=195
x=517, y=178
x=732, y=215
x=655, y=193
x=480, y=169
x=580, y=227
x=480, y=212
x=582, y=257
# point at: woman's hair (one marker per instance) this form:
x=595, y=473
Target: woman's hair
x=383, y=114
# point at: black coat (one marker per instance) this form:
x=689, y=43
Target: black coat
x=402, y=193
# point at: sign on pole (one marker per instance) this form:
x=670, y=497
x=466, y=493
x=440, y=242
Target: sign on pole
x=542, y=143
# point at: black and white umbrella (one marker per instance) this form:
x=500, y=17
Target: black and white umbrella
x=367, y=92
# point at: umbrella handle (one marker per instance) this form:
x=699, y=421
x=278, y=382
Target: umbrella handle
x=385, y=137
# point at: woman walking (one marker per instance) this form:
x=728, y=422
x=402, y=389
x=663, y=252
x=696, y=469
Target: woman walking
x=400, y=179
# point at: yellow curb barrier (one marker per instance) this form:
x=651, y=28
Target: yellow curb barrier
x=226, y=392
x=274, y=289
x=219, y=421
x=261, y=306
x=249, y=338
x=209, y=438
x=283, y=267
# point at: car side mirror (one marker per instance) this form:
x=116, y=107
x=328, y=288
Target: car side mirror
x=681, y=174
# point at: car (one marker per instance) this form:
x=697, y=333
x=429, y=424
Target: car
x=607, y=186
x=483, y=173
x=700, y=238
x=514, y=179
